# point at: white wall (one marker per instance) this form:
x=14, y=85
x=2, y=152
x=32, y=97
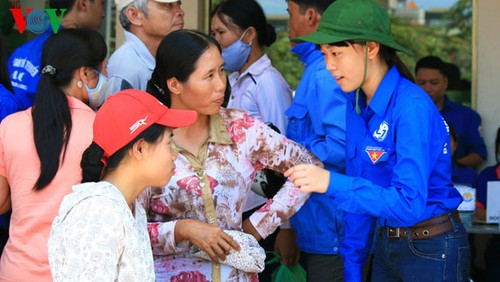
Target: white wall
x=488, y=70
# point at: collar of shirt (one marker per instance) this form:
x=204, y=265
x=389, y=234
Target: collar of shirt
x=217, y=133
x=307, y=52
x=141, y=49
x=447, y=105
x=256, y=68
x=75, y=103
x=383, y=94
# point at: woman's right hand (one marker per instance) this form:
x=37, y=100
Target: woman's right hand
x=208, y=238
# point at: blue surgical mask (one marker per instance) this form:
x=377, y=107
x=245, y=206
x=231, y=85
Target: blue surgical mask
x=236, y=54
x=95, y=92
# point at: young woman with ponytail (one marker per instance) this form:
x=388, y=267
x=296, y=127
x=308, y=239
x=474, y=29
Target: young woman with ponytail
x=101, y=218
x=41, y=148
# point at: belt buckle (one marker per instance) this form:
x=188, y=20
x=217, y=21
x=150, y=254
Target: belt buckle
x=391, y=230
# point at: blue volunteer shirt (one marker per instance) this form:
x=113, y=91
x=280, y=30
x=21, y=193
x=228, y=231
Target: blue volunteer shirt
x=317, y=122
x=9, y=103
x=398, y=166
x=467, y=125
x=24, y=68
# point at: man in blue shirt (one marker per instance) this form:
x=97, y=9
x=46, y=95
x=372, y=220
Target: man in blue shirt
x=431, y=75
x=24, y=63
x=317, y=121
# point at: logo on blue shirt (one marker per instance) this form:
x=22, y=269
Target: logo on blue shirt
x=381, y=132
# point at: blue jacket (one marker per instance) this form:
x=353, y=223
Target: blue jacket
x=24, y=68
x=317, y=121
x=398, y=166
x=9, y=103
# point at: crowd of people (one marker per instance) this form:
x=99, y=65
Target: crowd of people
x=186, y=156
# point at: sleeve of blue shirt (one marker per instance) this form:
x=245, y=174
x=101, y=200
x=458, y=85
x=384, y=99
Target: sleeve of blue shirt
x=403, y=202
x=356, y=244
x=327, y=113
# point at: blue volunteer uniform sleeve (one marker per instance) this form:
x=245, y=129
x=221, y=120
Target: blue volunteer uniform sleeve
x=357, y=244
x=327, y=140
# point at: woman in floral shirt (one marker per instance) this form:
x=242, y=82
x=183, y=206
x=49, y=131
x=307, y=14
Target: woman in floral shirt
x=226, y=146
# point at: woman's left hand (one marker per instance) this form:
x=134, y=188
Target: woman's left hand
x=309, y=178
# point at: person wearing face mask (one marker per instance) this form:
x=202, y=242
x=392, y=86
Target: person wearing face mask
x=41, y=149
x=257, y=87
x=95, y=93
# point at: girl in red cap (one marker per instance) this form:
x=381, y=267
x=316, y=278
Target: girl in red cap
x=100, y=233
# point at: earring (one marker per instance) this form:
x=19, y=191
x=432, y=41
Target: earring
x=79, y=84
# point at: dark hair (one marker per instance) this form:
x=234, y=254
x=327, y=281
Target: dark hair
x=244, y=14
x=66, y=52
x=4, y=72
x=453, y=133
x=319, y=5
x=63, y=4
x=453, y=73
x=93, y=168
x=388, y=54
x=431, y=62
x=392, y=59
x=176, y=57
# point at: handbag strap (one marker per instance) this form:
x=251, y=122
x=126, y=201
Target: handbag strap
x=209, y=213
x=206, y=193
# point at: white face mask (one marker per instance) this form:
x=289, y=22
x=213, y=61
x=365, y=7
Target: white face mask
x=236, y=54
x=95, y=92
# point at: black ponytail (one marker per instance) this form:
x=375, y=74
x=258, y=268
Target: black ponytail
x=92, y=166
x=392, y=59
x=65, y=52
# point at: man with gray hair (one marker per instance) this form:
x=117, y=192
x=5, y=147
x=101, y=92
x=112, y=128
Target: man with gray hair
x=146, y=23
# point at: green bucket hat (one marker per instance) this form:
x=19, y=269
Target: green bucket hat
x=347, y=20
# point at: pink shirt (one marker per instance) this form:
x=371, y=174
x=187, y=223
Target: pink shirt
x=25, y=255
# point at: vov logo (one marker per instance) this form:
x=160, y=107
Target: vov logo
x=37, y=21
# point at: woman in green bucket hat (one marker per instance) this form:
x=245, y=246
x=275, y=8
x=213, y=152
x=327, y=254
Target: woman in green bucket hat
x=397, y=180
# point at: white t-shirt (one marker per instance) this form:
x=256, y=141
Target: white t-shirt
x=95, y=237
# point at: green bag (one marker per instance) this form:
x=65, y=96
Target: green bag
x=285, y=273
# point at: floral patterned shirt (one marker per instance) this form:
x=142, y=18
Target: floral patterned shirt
x=96, y=237
x=237, y=146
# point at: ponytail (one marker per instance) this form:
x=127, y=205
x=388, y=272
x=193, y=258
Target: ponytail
x=159, y=88
x=63, y=55
x=92, y=166
x=51, y=126
x=392, y=59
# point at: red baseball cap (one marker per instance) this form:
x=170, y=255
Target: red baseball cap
x=128, y=113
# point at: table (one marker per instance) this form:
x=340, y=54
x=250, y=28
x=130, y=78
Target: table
x=484, y=229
